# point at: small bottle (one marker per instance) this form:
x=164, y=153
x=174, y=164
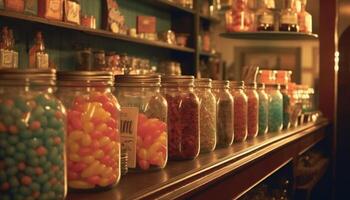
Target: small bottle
x=38, y=58
x=289, y=18
x=264, y=17
x=6, y=58
x=304, y=18
x=12, y=49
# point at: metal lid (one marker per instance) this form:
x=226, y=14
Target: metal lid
x=85, y=76
x=142, y=80
x=178, y=80
x=237, y=84
x=203, y=83
x=221, y=84
x=44, y=76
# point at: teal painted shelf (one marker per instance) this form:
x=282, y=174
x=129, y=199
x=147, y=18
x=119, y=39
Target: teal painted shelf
x=95, y=32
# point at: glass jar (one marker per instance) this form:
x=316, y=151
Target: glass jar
x=32, y=136
x=207, y=114
x=265, y=17
x=240, y=18
x=253, y=110
x=263, y=109
x=224, y=119
x=183, y=117
x=275, y=107
x=143, y=122
x=93, y=142
x=240, y=107
x=289, y=18
x=304, y=17
x=287, y=110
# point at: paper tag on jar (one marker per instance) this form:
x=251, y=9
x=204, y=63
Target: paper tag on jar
x=128, y=132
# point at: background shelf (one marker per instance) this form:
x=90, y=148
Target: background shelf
x=271, y=35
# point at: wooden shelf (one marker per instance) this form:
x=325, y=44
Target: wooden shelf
x=194, y=179
x=270, y=35
x=95, y=32
x=209, y=18
x=170, y=6
x=207, y=54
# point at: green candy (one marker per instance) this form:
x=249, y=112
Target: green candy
x=18, y=196
x=4, y=109
x=21, y=147
x=39, y=133
x=12, y=171
x=30, y=171
x=50, y=113
x=13, y=140
x=2, y=176
x=51, y=195
x=41, y=100
x=38, y=112
x=5, y=197
x=21, y=125
x=54, y=123
x=25, y=135
x=25, y=191
x=16, y=113
x=49, y=132
x=58, y=188
x=33, y=162
x=47, y=166
x=14, y=182
x=43, y=121
x=44, y=196
x=31, y=154
x=10, y=151
x=42, y=160
x=21, y=104
x=10, y=162
x=20, y=157
x=3, y=143
x=8, y=120
x=35, y=142
x=43, y=179
x=48, y=143
x=34, y=187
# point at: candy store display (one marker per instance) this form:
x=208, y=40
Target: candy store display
x=183, y=117
x=240, y=18
x=263, y=109
x=207, y=114
x=275, y=108
x=143, y=121
x=32, y=136
x=224, y=119
x=240, y=107
x=253, y=110
x=93, y=141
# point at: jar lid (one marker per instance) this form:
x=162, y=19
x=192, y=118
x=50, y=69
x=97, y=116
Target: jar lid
x=86, y=76
x=237, y=84
x=24, y=76
x=203, y=83
x=221, y=84
x=177, y=80
x=140, y=80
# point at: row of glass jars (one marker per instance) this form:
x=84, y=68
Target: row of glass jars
x=37, y=121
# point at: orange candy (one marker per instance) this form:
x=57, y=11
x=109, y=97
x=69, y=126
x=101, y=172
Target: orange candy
x=35, y=125
x=26, y=180
x=41, y=151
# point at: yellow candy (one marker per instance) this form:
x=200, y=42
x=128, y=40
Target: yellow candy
x=73, y=147
x=104, y=141
x=142, y=154
x=91, y=170
x=139, y=141
x=102, y=127
x=88, y=159
x=152, y=150
x=98, y=154
x=86, y=140
x=74, y=157
x=75, y=135
x=88, y=127
x=103, y=182
x=162, y=138
x=80, y=185
x=108, y=172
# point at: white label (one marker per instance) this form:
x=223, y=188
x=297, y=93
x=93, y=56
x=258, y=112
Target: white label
x=289, y=19
x=266, y=19
x=128, y=132
x=6, y=58
x=42, y=60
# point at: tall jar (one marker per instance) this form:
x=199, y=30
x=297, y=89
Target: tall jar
x=240, y=107
x=253, y=110
x=287, y=107
x=207, y=114
x=224, y=119
x=143, y=121
x=263, y=109
x=93, y=142
x=275, y=107
x=32, y=136
x=183, y=117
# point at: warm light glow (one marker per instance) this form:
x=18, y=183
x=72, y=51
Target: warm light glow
x=336, y=61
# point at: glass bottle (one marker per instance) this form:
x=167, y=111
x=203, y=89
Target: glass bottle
x=207, y=114
x=38, y=58
x=93, y=137
x=183, y=117
x=240, y=107
x=12, y=49
x=253, y=110
x=240, y=18
x=264, y=17
x=224, y=119
x=289, y=18
x=275, y=107
x=6, y=55
x=143, y=122
x=304, y=18
x=32, y=136
x=263, y=109
x=283, y=78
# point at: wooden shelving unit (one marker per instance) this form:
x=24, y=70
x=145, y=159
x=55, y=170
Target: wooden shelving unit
x=242, y=165
x=170, y=6
x=270, y=35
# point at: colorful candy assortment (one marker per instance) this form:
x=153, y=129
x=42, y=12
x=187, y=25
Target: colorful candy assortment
x=240, y=108
x=239, y=18
x=263, y=110
x=151, y=143
x=275, y=109
x=253, y=112
x=32, y=136
x=93, y=145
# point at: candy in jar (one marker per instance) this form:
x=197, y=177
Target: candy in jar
x=263, y=109
x=207, y=114
x=240, y=107
x=240, y=18
x=253, y=110
x=32, y=136
x=275, y=107
x=143, y=121
x=224, y=119
x=183, y=117
x=283, y=77
x=93, y=141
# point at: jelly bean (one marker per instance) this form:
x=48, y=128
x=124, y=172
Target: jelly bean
x=98, y=154
x=35, y=125
x=143, y=164
x=88, y=159
x=41, y=151
x=94, y=180
x=26, y=180
x=88, y=127
x=84, y=151
x=80, y=184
